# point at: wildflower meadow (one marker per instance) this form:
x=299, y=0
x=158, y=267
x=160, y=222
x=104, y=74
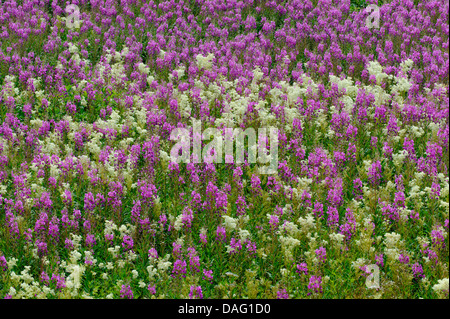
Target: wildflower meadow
x=224, y=149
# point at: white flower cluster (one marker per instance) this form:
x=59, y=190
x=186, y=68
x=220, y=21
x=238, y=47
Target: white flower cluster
x=307, y=223
x=205, y=62
x=441, y=288
x=143, y=68
x=9, y=88
x=257, y=75
x=406, y=65
x=229, y=222
x=29, y=288
x=179, y=71
x=178, y=222
x=399, y=157
x=376, y=69
x=73, y=281
x=184, y=104
x=359, y=263
x=164, y=263
x=392, y=244
x=244, y=234
x=347, y=84
x=337, y=239
x=290, y=228
x=288, y=244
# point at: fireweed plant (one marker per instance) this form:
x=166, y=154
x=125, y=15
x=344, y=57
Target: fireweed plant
x=92, y=206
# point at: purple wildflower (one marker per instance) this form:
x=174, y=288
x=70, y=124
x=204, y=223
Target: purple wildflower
x=126, y=292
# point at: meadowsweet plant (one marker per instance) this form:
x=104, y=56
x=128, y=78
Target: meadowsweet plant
x=210, y=149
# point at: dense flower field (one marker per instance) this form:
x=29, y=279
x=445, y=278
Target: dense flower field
x=93, y=205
